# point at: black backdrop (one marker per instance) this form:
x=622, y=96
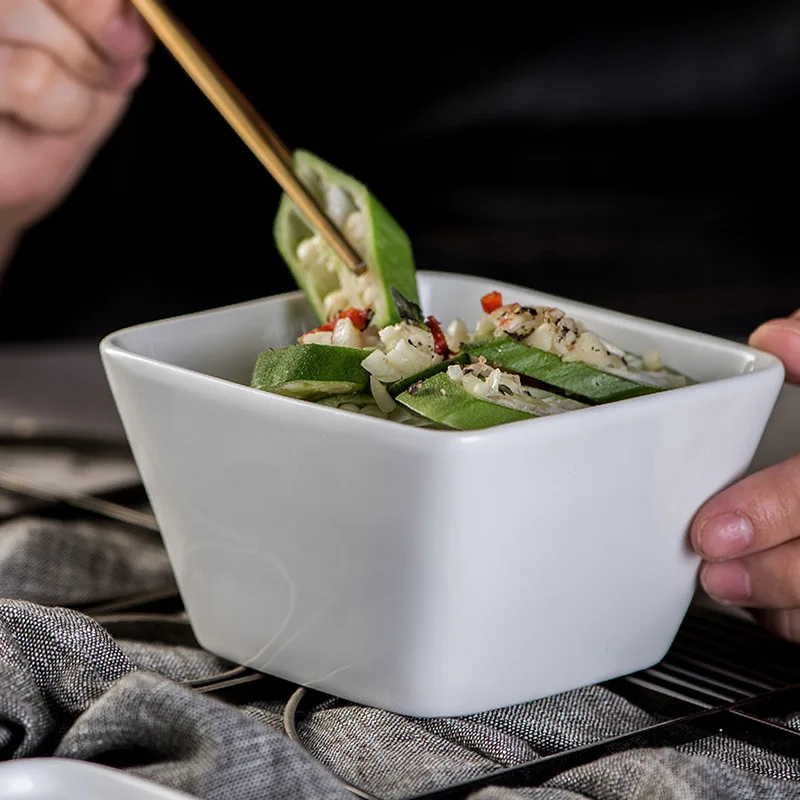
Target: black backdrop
x=639, y=159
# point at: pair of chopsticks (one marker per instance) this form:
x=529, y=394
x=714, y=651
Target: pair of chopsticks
x=245, y=120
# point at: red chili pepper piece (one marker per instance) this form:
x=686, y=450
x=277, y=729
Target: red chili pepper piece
x=491, y=302
x=359, y=317
x=439, y=340
x=328, y=326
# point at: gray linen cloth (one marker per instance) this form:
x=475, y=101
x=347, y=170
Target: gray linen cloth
x=109, y=693
x=67, y=689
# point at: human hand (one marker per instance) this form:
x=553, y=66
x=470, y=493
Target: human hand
x=749, y=534
x=67, y=71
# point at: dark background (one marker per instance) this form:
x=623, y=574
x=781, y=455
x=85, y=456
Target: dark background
x=640, y=159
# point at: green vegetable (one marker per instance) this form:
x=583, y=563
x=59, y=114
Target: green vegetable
x=328, y=284
x=310, y=371
x=448, y=403
x=400, y=386
x=407, y=309
x=573, y=377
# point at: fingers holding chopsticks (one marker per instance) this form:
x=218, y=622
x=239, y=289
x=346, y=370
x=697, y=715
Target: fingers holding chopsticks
x=56, y=55
x=37, y=92
x=113, y=27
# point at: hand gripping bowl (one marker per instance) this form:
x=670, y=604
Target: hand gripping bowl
x=429, y=572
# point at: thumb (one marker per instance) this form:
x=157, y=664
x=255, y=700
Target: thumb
x=781, y=337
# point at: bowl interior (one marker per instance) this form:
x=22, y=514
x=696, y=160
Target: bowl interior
x=224, y=343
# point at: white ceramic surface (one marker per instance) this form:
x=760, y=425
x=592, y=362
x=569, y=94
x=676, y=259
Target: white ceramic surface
x=67, y=779
x=781, y=439
x=430, y=573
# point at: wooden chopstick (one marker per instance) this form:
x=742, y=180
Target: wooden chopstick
x=245, y=120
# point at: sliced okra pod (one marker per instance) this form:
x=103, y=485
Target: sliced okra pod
x=545, y=344
x=400, y=386
x=573, y=377
x=480, y=396
x=373, y=233
x=310, y=371
x=448, y=403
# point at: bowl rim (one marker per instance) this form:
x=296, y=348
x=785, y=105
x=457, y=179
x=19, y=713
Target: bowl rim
x=762, y=363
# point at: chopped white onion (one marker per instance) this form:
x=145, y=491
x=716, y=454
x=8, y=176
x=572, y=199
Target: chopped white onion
x=378, y=365
x=383, y=399
x=409, y=360
x=652, y=361
x=345, y=334
x=415, y=336
x=456, y=334
x=454, y=372
x=316, y=337
x=334, y=302
x=485, y=327
x=493, y=381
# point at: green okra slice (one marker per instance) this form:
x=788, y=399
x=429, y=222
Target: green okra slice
x=329, y=285
x=444, y=401
x=310, y=371
x=573, y=377
x=397, y=387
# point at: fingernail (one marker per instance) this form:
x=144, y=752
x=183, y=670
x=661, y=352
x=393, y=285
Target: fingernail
x=725, y=536
x=728, y=582
x=757, y=335
x=785, y=326
x=782, y=339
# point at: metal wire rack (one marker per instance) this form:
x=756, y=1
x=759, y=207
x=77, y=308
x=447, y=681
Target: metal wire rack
x=723, y=675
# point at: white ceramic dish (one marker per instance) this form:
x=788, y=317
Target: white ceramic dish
x=781, y=439
x=431, y=573
x=67, y=779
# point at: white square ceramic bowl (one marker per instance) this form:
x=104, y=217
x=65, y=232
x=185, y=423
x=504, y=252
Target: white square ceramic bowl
x=430, y=573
